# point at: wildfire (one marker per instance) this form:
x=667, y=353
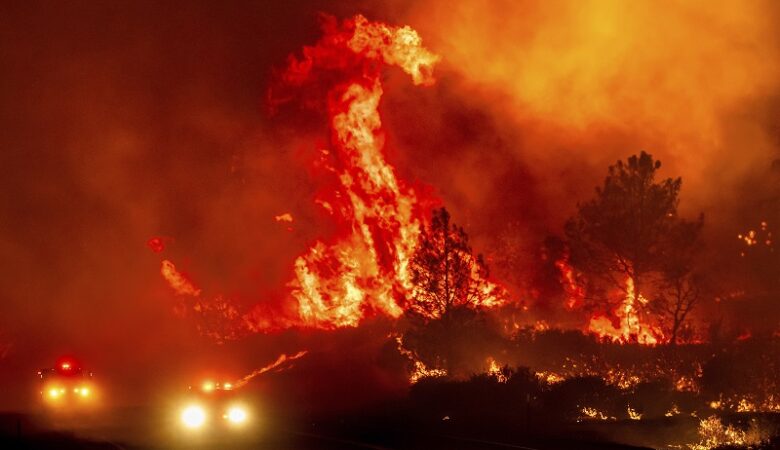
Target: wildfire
x=716, y=404
x=687, y=383
x=365, y=271
x=419, y=369
x=631, y=328
x=281, y=363
x=714, y=434
x=633, y=414
x=593, y=414
x=622, y=379
x=494, y=370
x=574, y=292
x=286, y=217
x=769, y=403
x=673, y=411
x=177, y=280
x=550, y=377
x=745, y=405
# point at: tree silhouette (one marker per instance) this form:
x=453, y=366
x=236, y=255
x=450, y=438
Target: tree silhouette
x=631, y=230
x=450, y=283
x=680, y=286
x=445, y=273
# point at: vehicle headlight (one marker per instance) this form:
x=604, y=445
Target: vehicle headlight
x=236, y=415
x=193, y=416
x=55, y=392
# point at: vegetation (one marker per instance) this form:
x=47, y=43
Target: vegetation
x=721, y=393
x=631, y=230
x=679, y=389
x=450, y=285
x=445, y=272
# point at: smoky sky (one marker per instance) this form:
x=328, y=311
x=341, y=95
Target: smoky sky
x=127, y=120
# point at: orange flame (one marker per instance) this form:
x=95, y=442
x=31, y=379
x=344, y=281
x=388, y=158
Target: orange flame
x=281, y=360
x=177, y=280
x=286, y=217
x=419, y=370
x=337, y=283
x=631, y=328
x=574, y=292
x=365, y=270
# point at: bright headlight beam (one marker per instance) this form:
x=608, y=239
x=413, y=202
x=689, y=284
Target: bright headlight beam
x=193, y=416
x=236, y=415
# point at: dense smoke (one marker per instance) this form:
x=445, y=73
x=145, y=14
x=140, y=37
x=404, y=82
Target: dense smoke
x=541, y=97
x=588, y=83
x=133, y=120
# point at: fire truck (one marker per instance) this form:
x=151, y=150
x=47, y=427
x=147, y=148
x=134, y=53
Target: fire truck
x=66, y=384
x=213, y=405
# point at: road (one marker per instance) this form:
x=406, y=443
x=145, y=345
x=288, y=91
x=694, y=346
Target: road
x=144, y=429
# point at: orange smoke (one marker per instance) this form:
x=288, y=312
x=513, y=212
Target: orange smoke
x=688, y=80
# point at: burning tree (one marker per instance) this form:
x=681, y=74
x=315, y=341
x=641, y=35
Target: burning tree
x=450, y=285
x=629, y=238
x=445, y=272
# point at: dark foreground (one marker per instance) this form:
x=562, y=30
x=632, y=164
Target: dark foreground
x=140, y=428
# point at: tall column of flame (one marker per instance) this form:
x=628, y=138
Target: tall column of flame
x=630, y=329
x=366, y=271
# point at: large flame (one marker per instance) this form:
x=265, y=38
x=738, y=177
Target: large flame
x=621, y=325
x=630, y=328
x=366, y=270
